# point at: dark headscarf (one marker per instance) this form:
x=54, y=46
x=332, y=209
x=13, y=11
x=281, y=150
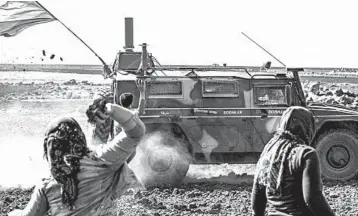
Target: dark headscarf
x=296, y=127
x=66, y=144
x=126, y=99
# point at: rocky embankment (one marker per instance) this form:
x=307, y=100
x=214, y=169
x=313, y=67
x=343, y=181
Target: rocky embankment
x=332, y=93
x=71, y=89
x=49, y=86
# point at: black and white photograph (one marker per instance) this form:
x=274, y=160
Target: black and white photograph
x=178, y=107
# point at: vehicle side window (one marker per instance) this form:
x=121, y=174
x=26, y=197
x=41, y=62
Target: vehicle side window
x=164, y=89
x=221, y=88
x=270, y=95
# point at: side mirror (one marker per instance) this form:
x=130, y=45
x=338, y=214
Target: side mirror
x=264, y=113
x=288, y=92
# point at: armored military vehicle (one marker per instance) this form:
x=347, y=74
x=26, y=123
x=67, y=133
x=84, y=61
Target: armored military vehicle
x=227, y=114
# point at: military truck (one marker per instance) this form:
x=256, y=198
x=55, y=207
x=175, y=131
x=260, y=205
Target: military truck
x=227, y=114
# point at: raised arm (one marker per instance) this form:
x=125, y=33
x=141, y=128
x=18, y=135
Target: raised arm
x=120, y=148
x=100, y=124
x=258, y=199
x=312, y=186
x=37, y=206
x=141, y=105
x=142, y=97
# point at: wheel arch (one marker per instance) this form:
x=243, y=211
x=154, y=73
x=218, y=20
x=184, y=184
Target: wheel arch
x=336, y=124
x=174, y=128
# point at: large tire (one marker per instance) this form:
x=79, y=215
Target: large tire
x=161, y=159
x=338, y=153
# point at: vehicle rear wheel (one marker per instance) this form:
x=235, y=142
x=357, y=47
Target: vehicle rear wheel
x=161, y=159
x=338, y=153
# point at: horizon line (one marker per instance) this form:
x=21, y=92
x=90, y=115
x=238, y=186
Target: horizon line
x=99, y=65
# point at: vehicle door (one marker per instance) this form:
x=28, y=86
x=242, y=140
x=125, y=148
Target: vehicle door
x=270, y=98
x=221, y=128
x=171, y=100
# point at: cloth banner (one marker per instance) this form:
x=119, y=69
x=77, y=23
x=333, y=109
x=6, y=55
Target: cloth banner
x=15, y=16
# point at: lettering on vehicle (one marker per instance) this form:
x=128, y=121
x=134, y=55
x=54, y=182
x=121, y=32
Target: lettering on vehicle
x=279, y=112
x=232, y=112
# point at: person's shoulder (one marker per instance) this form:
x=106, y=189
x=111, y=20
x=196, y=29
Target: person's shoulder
x=301, y=148
x=95, y=160
x=300, y=153
x=93, y=157
x=305, y=151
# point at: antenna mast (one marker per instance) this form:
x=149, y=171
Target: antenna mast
x=263, y=49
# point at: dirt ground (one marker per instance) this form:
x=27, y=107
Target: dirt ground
x=208, y=190
x=195, y=199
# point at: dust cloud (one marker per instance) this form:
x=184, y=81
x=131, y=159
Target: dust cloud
x=21, y=161
x=21, y=140
x=161, y=159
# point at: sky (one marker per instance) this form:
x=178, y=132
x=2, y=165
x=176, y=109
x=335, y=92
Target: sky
x=299, y=33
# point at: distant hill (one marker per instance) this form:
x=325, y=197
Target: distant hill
x=97, y=69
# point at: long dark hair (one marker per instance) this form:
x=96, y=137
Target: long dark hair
x=65, y=144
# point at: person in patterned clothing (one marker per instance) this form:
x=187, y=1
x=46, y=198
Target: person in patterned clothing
x=82, y=182
x=288, y=176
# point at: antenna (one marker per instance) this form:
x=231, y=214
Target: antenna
x=263, y=49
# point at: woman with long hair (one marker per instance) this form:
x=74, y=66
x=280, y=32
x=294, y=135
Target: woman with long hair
x=288, y=176
x=81, y=181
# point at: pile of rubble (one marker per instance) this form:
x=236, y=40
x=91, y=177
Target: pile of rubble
x=340, y=94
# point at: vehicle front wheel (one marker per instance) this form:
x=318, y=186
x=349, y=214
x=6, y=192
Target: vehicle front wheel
x=338, y=153
x=161, y=159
